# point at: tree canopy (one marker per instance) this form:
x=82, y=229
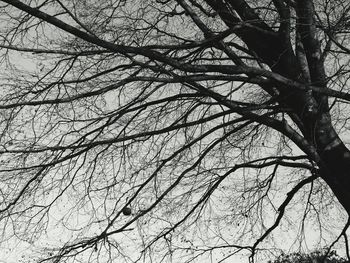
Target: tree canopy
x=173, y=130
x=317, y=256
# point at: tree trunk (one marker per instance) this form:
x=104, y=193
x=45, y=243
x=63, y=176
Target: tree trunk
x=275, y=49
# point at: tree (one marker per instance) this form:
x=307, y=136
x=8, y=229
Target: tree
x=215, y=124
x=316, y=256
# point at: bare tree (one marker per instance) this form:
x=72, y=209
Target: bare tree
x=173, y=131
